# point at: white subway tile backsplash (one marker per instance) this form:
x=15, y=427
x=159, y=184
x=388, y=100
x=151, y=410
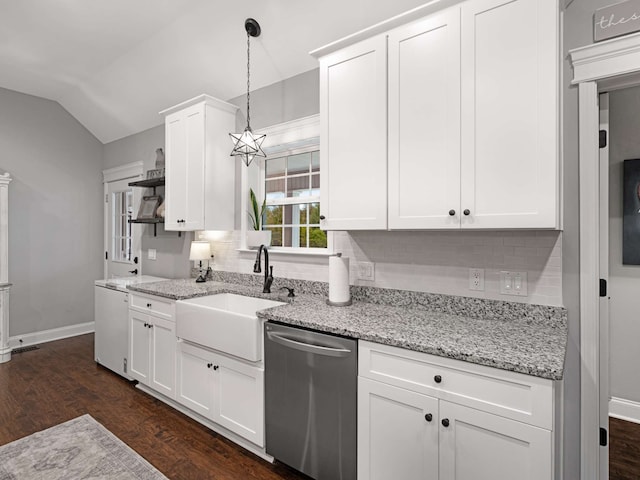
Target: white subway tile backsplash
x=436, y=262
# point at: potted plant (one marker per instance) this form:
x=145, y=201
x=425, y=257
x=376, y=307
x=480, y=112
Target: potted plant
x=255, y=235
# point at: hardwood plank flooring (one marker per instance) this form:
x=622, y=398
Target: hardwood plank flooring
x=61, y=381
x=624, y=450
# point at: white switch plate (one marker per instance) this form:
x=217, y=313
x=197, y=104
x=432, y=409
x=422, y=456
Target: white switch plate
x=367, y=271
x=476, y=279
x=513, y=283
x=151, y=254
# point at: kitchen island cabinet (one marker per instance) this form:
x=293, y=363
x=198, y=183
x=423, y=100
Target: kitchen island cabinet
x=469, y=101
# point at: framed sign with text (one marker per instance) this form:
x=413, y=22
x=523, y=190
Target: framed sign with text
x=616, y=20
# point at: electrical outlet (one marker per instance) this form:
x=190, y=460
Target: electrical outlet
x=151, y=254
x=476, y=279
x=367, y=271
x=513, y=283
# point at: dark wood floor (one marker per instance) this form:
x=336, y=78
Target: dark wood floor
x=61, y=381
x=624, y=450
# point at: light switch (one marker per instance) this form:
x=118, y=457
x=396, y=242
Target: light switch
x=513, y=283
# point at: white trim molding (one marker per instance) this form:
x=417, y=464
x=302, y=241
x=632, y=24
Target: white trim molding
x=624, y=409
x=291, y=135
x=5, y=287
x=618, y=56
x=45, y=336
x=608, y=64
x=120, y=172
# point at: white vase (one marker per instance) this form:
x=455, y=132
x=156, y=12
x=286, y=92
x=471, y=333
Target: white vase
x=255, y=238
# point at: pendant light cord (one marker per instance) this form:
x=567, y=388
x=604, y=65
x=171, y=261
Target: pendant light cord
x=248, y=84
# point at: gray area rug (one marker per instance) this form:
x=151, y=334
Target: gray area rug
x=78, y=449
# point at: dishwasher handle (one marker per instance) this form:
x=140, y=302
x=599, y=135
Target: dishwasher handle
x=328, y=351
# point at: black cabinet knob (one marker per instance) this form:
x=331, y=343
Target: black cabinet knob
x=322, y=217
x=209, y=365
x=150, y=325
x=437, y=379
x=216, y=367
x=146, y=324
x=452, y=212
x=445, y=422
x=467, y=212
x=428, y=417
x=148, y=305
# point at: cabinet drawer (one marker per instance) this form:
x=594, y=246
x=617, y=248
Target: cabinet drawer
x=153, y=305
x=513, y=395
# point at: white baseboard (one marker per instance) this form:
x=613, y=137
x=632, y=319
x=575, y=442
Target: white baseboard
x=624, y=409
x=51, y=335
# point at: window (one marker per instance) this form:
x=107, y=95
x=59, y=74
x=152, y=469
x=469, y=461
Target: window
x=292, y=186
x=122, y=211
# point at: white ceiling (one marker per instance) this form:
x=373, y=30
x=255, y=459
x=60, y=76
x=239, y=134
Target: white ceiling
x=114, y=64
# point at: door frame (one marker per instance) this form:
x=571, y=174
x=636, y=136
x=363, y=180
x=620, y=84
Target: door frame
x=133, y=171
x=604, y=66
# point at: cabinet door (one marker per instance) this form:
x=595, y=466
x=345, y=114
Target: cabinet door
x=353, y=133
x=239, y=398
x=163, y=356
x=424, y=123
x=480, y=446
x=185, y=159
x=195, y=379
x=396, y=438
x=139, y=353
x=510, y=56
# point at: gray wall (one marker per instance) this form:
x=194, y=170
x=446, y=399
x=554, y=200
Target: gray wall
x=55, y=213
x=624, y=280
x=172, y=251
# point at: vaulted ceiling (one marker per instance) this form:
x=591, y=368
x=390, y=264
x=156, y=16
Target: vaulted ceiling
x=113, y=64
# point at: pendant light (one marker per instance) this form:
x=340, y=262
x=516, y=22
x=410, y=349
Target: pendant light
x=247, y=145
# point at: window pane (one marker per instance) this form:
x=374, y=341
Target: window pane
x=314, y=213
x=315, y=161
x=276, y=236
x=274, y=189
x=273, y=215
x=317, y=238
x=298, y=186
x=275, y=167
x=298, y=163
x=315, y=183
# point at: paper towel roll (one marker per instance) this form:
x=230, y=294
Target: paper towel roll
x=339, y=293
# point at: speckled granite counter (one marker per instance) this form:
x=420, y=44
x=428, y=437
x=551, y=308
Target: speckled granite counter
x=526, y=339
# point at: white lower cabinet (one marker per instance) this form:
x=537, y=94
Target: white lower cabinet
x=226, y=391
x=476, y=445
x=397, y=433
x=152, y=352
x=425, y=418
x=152, y=343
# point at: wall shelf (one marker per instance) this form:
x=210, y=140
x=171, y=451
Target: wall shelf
x=149, y=183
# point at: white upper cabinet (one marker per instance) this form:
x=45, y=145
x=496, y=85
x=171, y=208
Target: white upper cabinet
x=200, y=173
x=510, y=153
x=469, y=102
x=424, y=123
x=353, y=137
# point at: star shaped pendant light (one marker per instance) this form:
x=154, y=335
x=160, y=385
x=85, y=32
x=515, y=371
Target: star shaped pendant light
x=248, y=145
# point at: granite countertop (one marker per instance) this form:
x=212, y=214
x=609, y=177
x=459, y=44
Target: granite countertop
x=530, y=345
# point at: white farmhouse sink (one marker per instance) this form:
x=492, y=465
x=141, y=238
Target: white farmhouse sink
x=225, y=322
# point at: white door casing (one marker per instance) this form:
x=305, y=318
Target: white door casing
x=607, y=65
x=116, y=180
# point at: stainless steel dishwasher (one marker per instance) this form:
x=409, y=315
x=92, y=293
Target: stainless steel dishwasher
x=311, y=401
